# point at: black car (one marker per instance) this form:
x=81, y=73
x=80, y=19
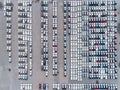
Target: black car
x=44, y=86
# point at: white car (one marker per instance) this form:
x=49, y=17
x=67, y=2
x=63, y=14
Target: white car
x=31, y=72
x=30, y=67
x=30, y=63
x=30, y=49
x=10, y=54
x=41, y=62
x=30, y=85
x=55, y=13
x=46, y=67
x=30, y=21
x=9, y=48
x=30, y=27
x=30, y=14
x=54, y=20
x=9, y=59
x=19, y=76
x=45, y=8
x=64, y=86
x=46, y=73
x=30, y=43
x=8, y=24
x=9, y=30
x=30, y=55
x=55, y=66
x=55, y=72
x=9, y=13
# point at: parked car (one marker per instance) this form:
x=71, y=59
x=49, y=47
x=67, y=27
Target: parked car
x=39, y=86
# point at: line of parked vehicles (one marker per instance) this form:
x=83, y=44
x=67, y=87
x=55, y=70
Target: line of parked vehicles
x=98, y=37
x=55, y=38
x=72, y=10
x=58, y=87
x=44, y=36
x=65, y=29
x=101, y=28
x=8, y=8
x=26, y=86
x=25, y=63
x=43, y=86
x=100, y=86
x=91, y=86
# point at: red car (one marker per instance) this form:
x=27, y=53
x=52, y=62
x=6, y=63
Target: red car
x=39, y=86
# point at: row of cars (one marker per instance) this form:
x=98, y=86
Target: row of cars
x=56, y=86
x=102, y=3
x=90, y=86
x=100, y=86
x=55, y=39
x=71, y=10
x=65, y=37
x=84, y=17
x=101, y=31
x=43, y=86
x=25, y=63
x=99, y=71
x=8, y=8
x=44, y=35
x=26, y=86
x=98, y=42
x=102, y=41
x=101, y=76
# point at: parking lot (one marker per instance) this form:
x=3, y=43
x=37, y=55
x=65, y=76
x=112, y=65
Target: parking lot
x=49, y=50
